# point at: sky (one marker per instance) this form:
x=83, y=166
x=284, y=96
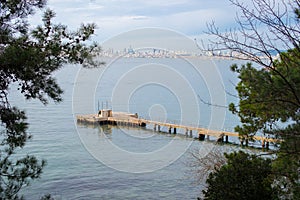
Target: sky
x=114, y=17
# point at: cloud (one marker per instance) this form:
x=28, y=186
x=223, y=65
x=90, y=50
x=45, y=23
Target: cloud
x=115, y=16
x=84, y=9
x=189, y=23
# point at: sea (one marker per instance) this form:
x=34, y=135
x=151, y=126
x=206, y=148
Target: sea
x=121, y=162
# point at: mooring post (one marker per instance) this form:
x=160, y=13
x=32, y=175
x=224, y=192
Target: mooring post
x=267, y=145
x=175, y=130
x=170, y=129
x=191, y=133
x=186, y=132
x=226, y=138
x=158, y=127
x=263, y=144
x=154, y=128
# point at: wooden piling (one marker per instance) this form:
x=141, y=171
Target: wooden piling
x=226, y=138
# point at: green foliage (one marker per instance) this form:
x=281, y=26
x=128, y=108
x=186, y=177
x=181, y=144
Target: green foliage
x=27, y=59
x=268, y=96
x=269, y=103
x=287, y=164
x=243, y=177
x=47, y=197
x=268, y=92
x=17, y=173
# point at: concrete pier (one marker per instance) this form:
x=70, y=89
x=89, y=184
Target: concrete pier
x=128, y=119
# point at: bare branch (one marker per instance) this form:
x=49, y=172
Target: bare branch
x=202, y=166
x=210, y=104
x=265, y=25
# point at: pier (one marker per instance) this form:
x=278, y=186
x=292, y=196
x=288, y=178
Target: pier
x=128, y=119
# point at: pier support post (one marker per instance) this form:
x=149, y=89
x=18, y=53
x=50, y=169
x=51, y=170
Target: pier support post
x=191, y=133
x=221, y=139
x=186, y=132
x=226, y=138
x=247, y=142
x=207, y=137
x=170, y=129
x=263, y=144
x=201, y=136
x=154, y=128
x=175, y=131
x=267, y=145
x=158, y=128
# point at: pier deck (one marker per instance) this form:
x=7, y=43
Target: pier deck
x=119, y=118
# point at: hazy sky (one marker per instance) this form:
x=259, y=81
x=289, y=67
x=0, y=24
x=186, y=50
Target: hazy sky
x=114, y=17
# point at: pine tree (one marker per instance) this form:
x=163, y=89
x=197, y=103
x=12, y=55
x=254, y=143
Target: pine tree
x=27, y=59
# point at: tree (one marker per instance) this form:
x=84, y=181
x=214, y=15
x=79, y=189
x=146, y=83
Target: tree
x=27, y=59
x=269, y=86
x=201, y=166
x=243, y=177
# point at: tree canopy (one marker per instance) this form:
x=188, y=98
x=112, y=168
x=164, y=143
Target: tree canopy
x=269, y=86
x=28, y=57
x=268, y=95
x=236, y=180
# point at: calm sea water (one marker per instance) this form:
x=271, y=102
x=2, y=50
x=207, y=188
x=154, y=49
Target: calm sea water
x=108, y=162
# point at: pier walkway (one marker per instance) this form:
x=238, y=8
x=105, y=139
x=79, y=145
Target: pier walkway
x=127, y=119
